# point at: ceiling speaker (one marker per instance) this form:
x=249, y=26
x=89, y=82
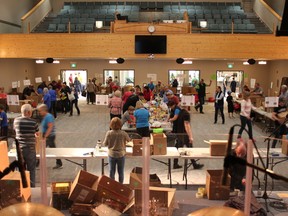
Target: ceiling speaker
x=251, y=61
x=49, y=60
x=120, y=60
x=179, y=60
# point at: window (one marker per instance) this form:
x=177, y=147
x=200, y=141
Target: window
x=125, y=77
x=184, y=77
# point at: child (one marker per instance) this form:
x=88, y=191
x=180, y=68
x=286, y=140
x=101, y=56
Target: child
x=229, y=100
x=4, y=122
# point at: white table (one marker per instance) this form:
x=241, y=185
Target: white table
x=88, y=153
x=133, y=129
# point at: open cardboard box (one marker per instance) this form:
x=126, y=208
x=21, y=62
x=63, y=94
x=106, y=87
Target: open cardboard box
x=138, y=147
x=136, y=179
x=83, y=188
x=218, y=147
x=163, y=199
x=4, y=162
x=11, y=190
x=159, y=142
x=215, y=191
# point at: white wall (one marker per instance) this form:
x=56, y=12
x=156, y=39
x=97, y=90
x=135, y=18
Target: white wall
x=12, y=11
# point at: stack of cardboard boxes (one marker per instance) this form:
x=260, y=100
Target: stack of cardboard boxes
x=11, y=190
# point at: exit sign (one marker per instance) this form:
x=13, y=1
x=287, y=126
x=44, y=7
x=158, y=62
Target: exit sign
x=73, y=65
x=230, y=65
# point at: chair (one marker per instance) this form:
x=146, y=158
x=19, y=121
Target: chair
x=210, y=21
x=79, y=28
x=217, y=16
x=56, y=21
x=208, y=16
x=240, y=28
x=224, y=28
x=64, y=20
x=61, y=28
x=251, y=28
x=219, y=21
x=51, y=28
x=237, y=21
x=246, y=21
x=82, y=20
x=89, y=27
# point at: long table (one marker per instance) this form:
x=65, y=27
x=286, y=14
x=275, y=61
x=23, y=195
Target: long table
x=89, y=153
x=204, y=153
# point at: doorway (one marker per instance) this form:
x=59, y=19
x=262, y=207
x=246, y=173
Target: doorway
x=224, y=79
x=68, y=76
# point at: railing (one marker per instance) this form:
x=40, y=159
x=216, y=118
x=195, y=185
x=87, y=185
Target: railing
x=267, y=14
x=35, y=15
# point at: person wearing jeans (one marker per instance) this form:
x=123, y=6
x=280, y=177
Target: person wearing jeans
x=48, y=131
x=245, y=113
x=201, y=89
x=116, y=140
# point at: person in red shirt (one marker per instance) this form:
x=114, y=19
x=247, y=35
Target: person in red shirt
x=127, y=94
x=172, y=97
x=147, y=93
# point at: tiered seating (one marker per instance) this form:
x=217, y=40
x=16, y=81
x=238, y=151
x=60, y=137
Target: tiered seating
x=219, y=16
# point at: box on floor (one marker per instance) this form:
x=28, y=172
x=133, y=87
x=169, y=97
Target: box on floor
x=215, y=191
x=161, y=201
x=136, y=179
x=159, y=142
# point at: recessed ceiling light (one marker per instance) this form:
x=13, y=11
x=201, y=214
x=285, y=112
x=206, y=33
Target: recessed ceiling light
x=262, y=62
x=245, y=63
x=113, y=61
x=56, y=62
x=187, y=62
x=39, y=61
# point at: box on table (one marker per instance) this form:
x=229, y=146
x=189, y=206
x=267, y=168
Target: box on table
x=113, y=193
x=218, y=147
x=161, y=201
x=136, y=179
x=215, y=191
x=4, y=162
x=83, y=188
x=82, y=209
x=60, y=193
x=138, y=147
x=159, y=142
x=11, y=190
x=284, y=145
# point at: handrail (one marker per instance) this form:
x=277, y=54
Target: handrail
x=31, y=19
x=32, y=10
x=267, y=14
x=271, y=10
x=9, y=23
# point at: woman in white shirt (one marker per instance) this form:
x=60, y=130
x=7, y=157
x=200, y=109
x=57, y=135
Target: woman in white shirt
x=245, y=119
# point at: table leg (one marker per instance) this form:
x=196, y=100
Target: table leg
x=169, y=172
x=84, y=164
x=102, y=166
x=185, y=172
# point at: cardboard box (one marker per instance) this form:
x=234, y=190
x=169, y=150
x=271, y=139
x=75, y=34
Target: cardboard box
x=4, y=162
x=104, y=210
x=285, y=145
x=256, y=100
x=114, y=191
x=161, y=201
x=218, y=147
x=138, y=147
x=83, y=189
x=159, y=142
x=136, y=179
x=82, y=209
x=215, y=191
x=11, y=190
x=60, y=193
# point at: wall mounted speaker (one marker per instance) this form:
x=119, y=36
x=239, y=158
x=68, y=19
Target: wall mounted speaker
x=49, y=60
x=179, y=60
x=120, y=60
x=251, y=61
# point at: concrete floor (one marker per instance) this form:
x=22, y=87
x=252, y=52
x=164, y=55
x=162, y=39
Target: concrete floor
x=92, y=124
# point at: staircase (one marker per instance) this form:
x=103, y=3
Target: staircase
x=259, y=24
x=247, y=5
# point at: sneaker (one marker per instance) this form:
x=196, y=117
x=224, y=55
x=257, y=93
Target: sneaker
x=198, y=166
x=176, y=166
x=196, y=108
x=202, y=112
x=58, y=166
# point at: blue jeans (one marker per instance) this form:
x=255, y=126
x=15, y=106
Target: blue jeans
x=245, y=121
x=120, y=162
x=29, y=155
x=50, y=142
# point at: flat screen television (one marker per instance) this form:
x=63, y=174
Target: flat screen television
x=150, y=44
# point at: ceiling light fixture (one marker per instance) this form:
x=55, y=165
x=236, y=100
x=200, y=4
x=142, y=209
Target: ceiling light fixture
x=112, y=61
x=39, y=61
x=187, y=62
x=245, y=63
x=262, y=62
x=56, y=62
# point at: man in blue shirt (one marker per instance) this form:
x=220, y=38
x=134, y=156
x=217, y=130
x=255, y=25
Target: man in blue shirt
x=142, y=120
x=151, y=85
x=48, y=130
x=4, y=122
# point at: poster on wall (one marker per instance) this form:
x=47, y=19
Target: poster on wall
x=26, y=82
x=14, y=84
x=18, y=82
x=152, y=77
x=13, y=100
x=49, y=79
x=271, y=101
x=188, y=100
x=252, y=83
x=38, y=79
x=102, y=100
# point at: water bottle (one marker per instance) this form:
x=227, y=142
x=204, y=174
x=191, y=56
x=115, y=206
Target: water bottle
x=97, y=147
